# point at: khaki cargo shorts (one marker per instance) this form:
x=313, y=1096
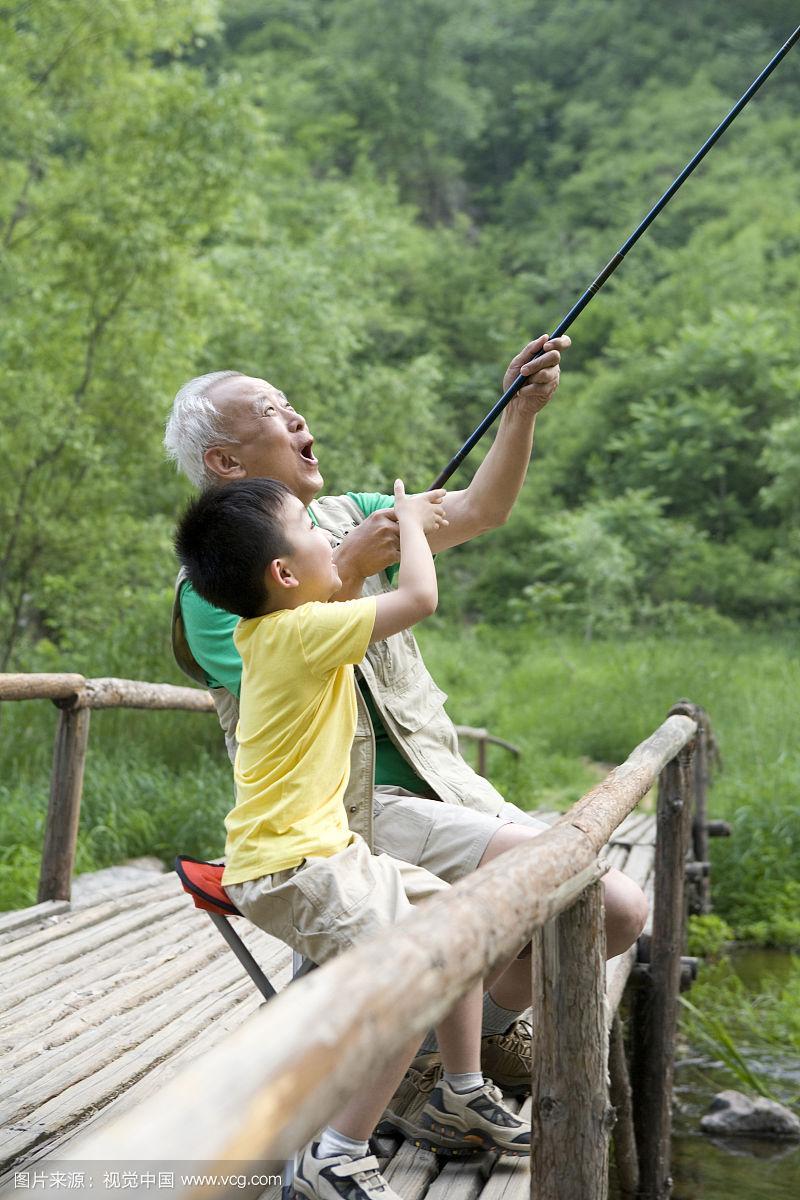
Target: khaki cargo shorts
x=327, y=904
x=446, y=839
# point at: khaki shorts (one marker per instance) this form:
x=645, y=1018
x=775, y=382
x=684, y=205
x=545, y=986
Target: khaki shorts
x=327, y=904
x=446, y=839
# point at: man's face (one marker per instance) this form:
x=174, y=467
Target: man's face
x=311, y=557
x=269, y=439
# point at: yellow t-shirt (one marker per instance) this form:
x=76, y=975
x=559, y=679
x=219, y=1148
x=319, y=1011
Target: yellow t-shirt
x=297, y=720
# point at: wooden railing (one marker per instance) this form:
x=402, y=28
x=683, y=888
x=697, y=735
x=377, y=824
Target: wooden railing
x=283, y=1074
x=75, y=698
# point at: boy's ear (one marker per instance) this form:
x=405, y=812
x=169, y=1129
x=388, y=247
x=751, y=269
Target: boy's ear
x=280, y=574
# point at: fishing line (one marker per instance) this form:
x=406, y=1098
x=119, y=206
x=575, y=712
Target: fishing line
x=611, y=266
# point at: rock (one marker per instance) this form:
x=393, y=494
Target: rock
x=733, y=1114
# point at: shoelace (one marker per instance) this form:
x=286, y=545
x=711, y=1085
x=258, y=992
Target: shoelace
x=518, y=1037
x=429, y=1077
x=366, y=1172
x=490, y=1090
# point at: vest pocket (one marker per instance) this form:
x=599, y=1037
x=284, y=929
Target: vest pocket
x=414, y=705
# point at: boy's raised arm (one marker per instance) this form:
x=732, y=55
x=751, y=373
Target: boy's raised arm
x=416, y=595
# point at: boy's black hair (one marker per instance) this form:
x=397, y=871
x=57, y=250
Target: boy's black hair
x=227, y=538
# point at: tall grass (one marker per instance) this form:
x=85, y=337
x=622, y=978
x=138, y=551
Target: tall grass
x=752, y=1031
x=155, y=783
x=570, y=705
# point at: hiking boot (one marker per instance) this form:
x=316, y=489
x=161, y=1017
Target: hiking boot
x=506, y=1058
x=459, y=1123
x=340, y=1177
x=406, y=1105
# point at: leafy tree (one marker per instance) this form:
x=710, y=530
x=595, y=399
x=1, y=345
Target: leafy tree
x=117, y=167
x=374, y=206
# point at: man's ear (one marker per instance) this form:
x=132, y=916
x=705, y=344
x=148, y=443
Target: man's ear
x=279, y=574
x=223, y=464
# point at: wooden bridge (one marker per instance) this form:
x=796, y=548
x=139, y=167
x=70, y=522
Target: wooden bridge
x=132, y=1036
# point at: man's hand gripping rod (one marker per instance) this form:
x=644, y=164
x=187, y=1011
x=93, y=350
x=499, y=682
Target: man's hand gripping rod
x=611, y=266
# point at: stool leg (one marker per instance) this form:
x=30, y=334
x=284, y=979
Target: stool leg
x=287, y=1192
x=243, y=954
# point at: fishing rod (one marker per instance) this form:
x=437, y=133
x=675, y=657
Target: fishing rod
x=611, y=266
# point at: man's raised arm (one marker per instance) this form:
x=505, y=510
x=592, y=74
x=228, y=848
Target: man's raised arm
x=487, y=502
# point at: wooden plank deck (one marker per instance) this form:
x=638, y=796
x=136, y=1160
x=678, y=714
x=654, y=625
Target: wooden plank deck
x=102, y=1005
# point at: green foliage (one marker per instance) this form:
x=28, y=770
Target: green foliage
x=116, y=169
x=375, y=223
x=708, y=935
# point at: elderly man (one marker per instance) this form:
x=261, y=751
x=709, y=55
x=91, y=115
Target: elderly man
x=411, y=794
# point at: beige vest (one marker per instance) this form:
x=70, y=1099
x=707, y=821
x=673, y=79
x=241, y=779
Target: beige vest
x=409, y=702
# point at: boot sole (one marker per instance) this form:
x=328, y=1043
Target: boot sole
x=447, y=1141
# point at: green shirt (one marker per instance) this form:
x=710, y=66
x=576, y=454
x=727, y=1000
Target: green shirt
x=209, y=632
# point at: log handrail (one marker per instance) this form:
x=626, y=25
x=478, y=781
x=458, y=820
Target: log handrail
x=76, y=696
x=480, y=734
x=79, y=692
x=284, y=1073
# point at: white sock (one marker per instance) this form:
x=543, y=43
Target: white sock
x=332, y=1143
x=466, y=1082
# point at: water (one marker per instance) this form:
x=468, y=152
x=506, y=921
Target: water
x=705, y=1168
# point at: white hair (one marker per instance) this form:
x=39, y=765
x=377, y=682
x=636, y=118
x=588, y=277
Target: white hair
x=194, y=426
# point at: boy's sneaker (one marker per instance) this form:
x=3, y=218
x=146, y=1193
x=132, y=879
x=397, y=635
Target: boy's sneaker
x=461, y=1123
x=340, y=1177
x=506, y=1058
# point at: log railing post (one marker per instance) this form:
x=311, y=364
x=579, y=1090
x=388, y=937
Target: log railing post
x=625, y=1154
x=482, y=756
x=64, y=810
x=571, y=1115
x=702, y=893
x=704, y=746
x=655, y=1006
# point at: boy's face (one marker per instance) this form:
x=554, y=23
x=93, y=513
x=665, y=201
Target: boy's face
x=310, y=560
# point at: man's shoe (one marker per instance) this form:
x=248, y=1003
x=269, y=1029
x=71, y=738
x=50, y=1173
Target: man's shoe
x=340, y=1177
x=405, y=1107
x=506, y=1058
x=459, y=1123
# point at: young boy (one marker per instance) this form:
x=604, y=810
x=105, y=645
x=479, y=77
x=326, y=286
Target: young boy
x=293, y=866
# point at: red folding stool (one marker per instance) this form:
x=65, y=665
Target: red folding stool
x=203, y=882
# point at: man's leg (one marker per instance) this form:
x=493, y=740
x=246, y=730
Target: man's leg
x=447, y=840
x=451, y=842
x=625, y=909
